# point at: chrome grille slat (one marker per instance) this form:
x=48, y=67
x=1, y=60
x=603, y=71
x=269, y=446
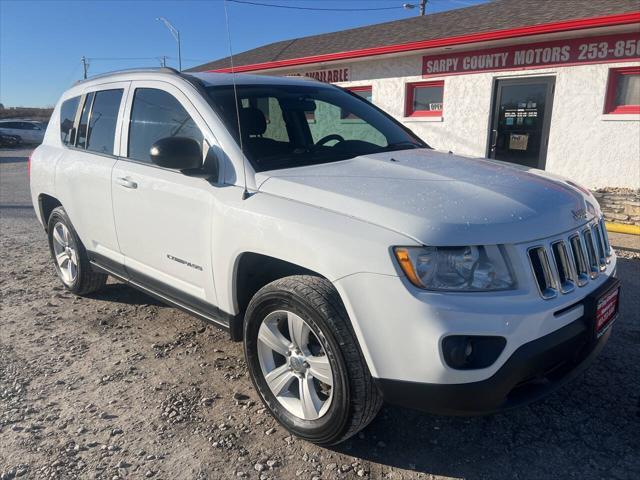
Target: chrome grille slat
x=564, y=267
x=564, y=263
x=579, y=260
x=590, y=247
x=605, y=237
x=545, y=278
x=599, y=242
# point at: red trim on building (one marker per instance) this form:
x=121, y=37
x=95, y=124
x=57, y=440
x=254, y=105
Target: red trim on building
x=564, y=26
x=612, y=84
x=408, y=105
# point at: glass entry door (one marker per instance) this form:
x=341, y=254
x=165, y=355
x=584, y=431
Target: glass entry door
x=521, y=118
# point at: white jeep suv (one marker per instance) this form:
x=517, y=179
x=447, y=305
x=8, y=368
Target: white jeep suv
x=355, y=262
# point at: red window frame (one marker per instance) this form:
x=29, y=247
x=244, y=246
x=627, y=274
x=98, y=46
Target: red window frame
x=610, y=106
x=359, y=88
x=410, y=92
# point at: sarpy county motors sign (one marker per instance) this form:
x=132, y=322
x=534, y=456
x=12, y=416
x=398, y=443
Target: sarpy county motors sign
x=610, y=48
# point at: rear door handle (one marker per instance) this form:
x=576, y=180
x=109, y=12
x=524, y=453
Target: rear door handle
x=125, y=182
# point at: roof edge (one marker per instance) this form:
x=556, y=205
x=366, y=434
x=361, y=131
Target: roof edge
x=553, y=27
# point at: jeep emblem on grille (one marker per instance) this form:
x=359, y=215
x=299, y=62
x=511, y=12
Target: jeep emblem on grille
x=579, y=213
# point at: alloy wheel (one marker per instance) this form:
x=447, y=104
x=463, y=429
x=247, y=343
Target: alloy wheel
x=295, y=365
x=65, y=252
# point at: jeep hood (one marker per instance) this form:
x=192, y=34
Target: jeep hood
x=437, y=198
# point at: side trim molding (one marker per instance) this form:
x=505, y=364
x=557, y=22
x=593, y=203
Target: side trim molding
x=204, y=311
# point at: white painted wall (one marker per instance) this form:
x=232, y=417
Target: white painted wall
x=593, y=149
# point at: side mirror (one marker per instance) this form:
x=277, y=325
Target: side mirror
x=179, y=153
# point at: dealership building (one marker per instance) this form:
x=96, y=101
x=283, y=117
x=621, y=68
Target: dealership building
x=550, y=84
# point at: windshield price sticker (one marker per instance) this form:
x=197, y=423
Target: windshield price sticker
x=610, y=48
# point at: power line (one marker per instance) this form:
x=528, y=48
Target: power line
x=294, y=7
x=121, y=58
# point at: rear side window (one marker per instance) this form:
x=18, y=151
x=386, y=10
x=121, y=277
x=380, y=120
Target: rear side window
x=67, y=117
x=84, y=121
x=102, y=124
x=156, y=114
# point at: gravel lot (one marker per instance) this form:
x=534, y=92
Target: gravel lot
x=121, y=386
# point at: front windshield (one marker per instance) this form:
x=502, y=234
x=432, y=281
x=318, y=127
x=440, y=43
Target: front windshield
x=285, y=126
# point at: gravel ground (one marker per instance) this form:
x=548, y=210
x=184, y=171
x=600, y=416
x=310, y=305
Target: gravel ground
x=121, y=386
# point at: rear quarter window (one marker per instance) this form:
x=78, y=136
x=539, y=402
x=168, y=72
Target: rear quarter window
x=102, y=124
x=67, y=117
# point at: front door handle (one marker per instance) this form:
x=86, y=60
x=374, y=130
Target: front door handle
x=125, y=182
x=494, y=134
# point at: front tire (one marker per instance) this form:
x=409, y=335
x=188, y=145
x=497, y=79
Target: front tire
x=305, y=362
x=70, y=257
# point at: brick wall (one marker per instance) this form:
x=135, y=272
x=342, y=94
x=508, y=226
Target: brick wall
x=619, y=205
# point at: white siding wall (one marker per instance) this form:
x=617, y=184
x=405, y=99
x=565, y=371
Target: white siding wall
x=584, y=144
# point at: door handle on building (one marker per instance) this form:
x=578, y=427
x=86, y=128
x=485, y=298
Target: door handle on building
x=494, y=134
x=125, y=182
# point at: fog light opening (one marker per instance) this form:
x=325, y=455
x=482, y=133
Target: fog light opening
x=464, y=352
x=460, y=352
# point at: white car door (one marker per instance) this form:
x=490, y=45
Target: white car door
x=83, y=173
x=163, y=217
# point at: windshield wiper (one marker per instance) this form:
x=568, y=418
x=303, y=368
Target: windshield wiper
x=404, y=145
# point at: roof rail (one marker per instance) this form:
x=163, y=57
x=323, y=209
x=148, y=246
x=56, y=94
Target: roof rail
x=168, y=70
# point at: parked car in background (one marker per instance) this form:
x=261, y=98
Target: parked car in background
x=355, y=262
x=9, y=140
x=27, y=131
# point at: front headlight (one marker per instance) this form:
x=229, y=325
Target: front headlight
x=462, y=269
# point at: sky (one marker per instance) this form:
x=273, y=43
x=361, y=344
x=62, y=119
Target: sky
x=41, y=42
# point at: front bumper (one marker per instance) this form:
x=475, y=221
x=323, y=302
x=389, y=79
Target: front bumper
x=400, y=329
x=534, y=370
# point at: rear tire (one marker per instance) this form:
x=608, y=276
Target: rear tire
x=70, y=257
x=343, y=393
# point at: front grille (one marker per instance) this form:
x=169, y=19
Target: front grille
x=563, y=264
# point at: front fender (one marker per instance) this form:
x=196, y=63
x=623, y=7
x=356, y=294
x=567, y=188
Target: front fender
x=328, y=243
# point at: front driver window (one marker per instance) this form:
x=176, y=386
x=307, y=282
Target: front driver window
x=156, y=114
x=291, y=125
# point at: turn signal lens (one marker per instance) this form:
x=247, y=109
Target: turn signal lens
x=402, y=254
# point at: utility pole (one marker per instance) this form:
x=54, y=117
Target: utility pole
x=85, y=66
x=163, y=61
x=423, y=7
x=176, y=35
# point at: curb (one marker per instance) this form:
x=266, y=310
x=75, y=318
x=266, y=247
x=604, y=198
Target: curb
x=621, y=228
